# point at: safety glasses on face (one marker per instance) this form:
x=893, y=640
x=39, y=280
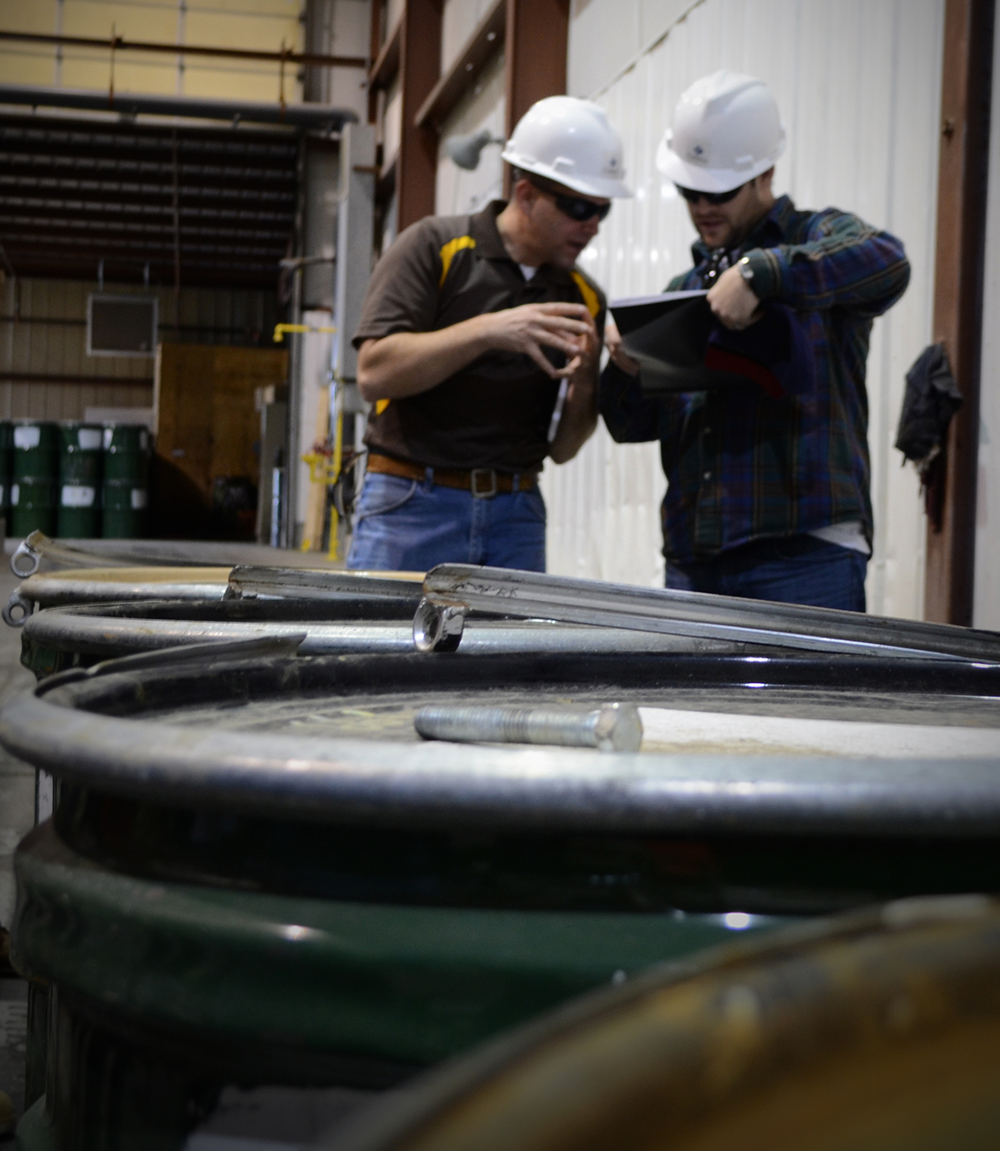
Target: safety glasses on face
x=714, y=198
x=577, y=208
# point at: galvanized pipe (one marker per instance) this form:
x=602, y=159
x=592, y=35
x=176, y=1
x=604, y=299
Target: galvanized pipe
x=452, y=590
x=316, y=116
x=612, y=727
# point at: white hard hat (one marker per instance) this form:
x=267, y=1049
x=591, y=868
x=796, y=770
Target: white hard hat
x=571, y=142
x=726, y=131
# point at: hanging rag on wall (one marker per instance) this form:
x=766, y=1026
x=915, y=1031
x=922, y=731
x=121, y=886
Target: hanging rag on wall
x=932, y=398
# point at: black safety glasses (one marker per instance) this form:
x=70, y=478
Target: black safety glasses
x=714, y=198
x=577, y=208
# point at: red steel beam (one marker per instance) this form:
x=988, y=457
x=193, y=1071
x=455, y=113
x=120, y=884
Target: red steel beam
x=961, y=226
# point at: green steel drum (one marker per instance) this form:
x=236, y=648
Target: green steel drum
x=874, y=1031
x=126, y=480
x=6, y=467
x=257, y=875
x=80, y=471
x=35, y=478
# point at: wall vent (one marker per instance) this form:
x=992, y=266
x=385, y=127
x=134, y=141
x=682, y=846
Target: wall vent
x=121, y=325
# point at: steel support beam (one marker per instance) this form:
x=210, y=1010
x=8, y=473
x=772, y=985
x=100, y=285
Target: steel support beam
x=320, y=117
x=961, y=227
x=535, y=57
x=419, y=70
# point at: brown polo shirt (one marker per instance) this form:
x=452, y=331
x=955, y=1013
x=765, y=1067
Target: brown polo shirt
x=494, y=413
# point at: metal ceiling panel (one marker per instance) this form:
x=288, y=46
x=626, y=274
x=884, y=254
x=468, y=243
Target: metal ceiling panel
x=207, y=207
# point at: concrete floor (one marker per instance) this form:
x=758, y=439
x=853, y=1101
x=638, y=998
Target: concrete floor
x=17, y=817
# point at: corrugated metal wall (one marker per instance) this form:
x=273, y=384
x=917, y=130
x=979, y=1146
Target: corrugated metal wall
x=986, y=603
x=43, y=333
x=859, y=88
x=261, y=25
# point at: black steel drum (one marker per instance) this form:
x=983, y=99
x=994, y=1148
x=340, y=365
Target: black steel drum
x=257, y=873
x=381, y=621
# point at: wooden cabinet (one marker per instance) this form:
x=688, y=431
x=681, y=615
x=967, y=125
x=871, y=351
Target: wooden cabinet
x=207, y=438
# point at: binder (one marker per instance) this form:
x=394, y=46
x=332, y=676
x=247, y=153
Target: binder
x=683, y=348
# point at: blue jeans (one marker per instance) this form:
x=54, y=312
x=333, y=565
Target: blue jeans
x=799, y=569
x=411, y=525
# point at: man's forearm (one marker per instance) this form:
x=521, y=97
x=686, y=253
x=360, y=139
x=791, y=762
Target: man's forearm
x=408, y=363
x=579, y=418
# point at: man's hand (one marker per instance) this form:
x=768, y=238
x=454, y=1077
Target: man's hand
x=408, y=363
x=579, y=415
x=568, y=328
x=613, y=339
x=733, y=302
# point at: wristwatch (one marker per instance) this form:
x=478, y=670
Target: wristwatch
x=745, y=270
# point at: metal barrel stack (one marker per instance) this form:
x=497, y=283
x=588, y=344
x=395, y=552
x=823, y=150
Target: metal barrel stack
x=125, y=493
x=80, y=474
x=6, y=468
x=73, y=479
x=260, y=876
x=34, y=477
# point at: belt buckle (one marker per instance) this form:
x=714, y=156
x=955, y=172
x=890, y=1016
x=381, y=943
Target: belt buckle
x=477, y=493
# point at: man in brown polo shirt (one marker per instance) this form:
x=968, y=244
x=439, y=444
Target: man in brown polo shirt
x=478, y=346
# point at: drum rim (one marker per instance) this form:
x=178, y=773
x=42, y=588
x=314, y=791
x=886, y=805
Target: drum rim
x=58, y=728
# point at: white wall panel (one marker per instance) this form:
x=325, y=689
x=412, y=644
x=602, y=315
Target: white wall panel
x=858, y=83
x=458, y=190
x=458, y=21
x=986, y=602
x=392, y=124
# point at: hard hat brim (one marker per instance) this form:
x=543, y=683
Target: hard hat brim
x=607, y=188
x=701, y=179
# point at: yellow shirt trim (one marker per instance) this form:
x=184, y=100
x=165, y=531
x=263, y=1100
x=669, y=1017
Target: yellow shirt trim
x=448, y=254
x=588, y=293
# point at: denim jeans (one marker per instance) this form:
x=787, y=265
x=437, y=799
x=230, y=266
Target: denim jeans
x=799, y=569
x=411, y=525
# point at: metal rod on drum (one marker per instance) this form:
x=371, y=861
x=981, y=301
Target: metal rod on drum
x=611, y=727
x=452, y=590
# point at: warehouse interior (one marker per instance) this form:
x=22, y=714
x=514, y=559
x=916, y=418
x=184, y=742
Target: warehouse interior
x=118, y=180
x=221, y=177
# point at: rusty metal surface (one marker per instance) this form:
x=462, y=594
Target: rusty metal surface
x=876, y=1031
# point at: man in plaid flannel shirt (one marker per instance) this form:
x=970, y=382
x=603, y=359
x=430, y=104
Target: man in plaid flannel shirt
x=767, y=495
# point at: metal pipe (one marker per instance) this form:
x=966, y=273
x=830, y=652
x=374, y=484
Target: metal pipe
x=316, y=116
x=612, y=727
x=249, y=580
x=452, y=590
x=120, y=44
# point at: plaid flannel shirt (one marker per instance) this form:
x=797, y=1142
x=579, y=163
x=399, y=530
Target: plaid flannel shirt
x=742, y=466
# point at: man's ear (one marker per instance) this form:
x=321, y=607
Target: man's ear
x=764, y=180
x=525, y=194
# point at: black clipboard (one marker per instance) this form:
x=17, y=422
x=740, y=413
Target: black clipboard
x=668, y=335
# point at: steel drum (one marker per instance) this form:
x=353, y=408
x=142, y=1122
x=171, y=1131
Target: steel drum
x=113, y=585
x=355, y=621
x=258, y=874
x=878, y=1031
x=128, y=584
